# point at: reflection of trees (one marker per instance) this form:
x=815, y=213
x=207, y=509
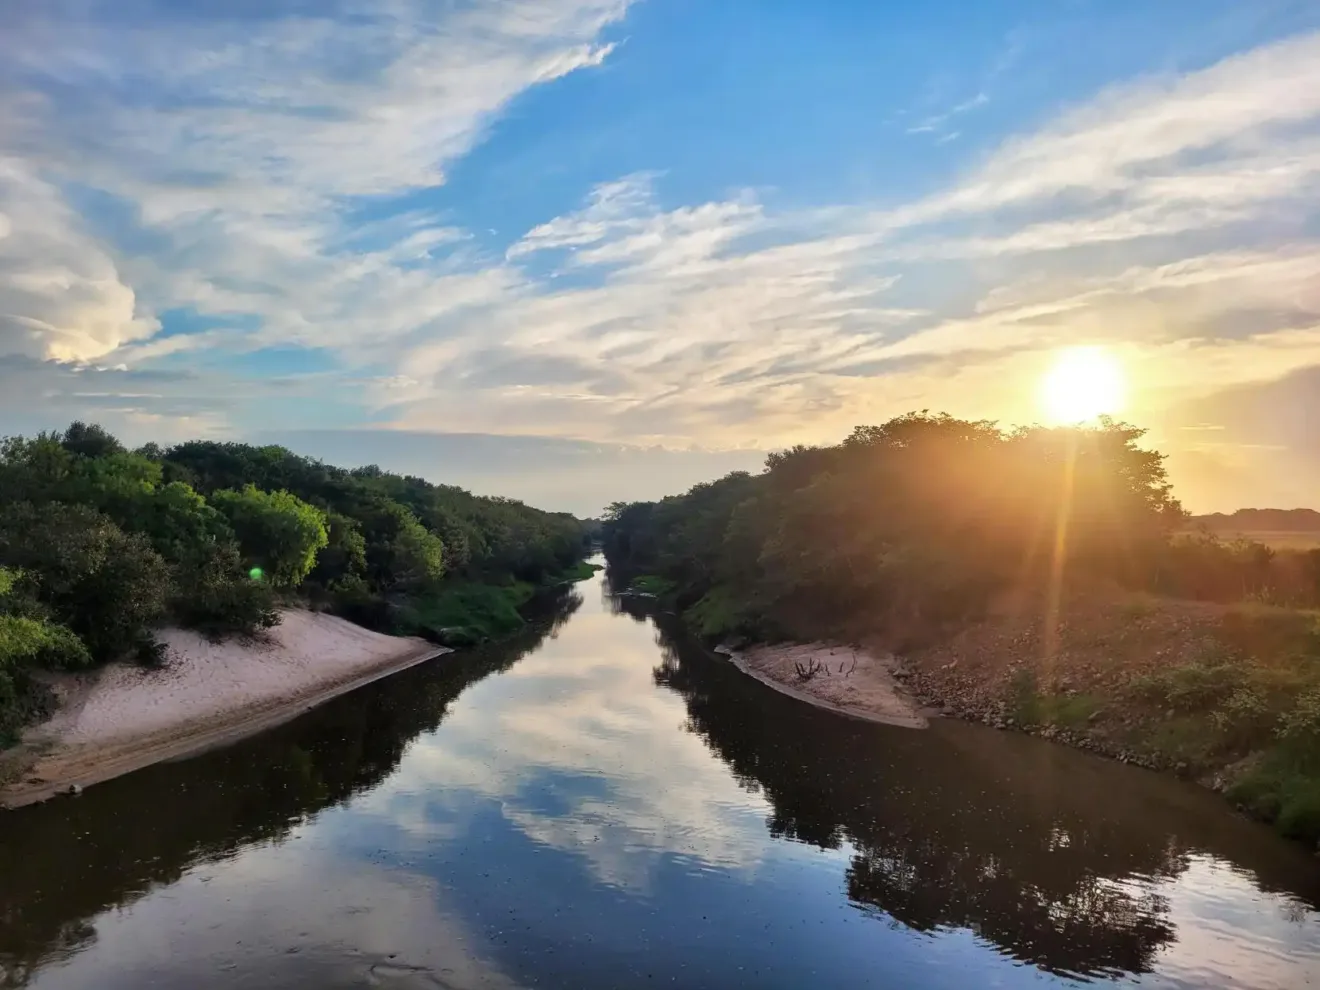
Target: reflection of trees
x=68, y=861
x=1023, y=843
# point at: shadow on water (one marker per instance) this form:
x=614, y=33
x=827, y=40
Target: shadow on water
x=65, y=862
x=1051, y=855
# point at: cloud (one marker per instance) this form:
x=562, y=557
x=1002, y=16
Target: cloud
x=261, y=172
x=61, y=294
x=1240, y=105
x=626, y=825
x=233, y=146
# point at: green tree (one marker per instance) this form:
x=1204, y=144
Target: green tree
x=277, y=531
x=90, y=440
x=106, y=585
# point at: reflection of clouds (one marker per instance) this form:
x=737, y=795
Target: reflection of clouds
x=1226, y=925
x=575, y=744
x=294, y=913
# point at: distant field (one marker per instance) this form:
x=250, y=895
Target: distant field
x=1277, y=539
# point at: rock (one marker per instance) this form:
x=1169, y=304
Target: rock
x=74, y=790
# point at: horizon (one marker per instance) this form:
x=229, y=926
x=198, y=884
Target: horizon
x=578, y=250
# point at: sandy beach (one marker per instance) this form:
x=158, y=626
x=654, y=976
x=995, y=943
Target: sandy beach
x=124, y=718
x=850, y=682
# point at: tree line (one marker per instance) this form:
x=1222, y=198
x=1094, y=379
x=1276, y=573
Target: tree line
x=921, y=521
x=101, y=545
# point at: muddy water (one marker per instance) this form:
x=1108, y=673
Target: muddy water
x=603, y=805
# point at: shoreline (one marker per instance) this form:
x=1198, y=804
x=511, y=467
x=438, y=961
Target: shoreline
x=874, y=696
x=210, y=696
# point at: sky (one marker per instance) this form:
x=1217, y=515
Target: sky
x=578, y=250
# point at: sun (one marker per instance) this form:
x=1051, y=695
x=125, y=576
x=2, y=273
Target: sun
x=1083, y=384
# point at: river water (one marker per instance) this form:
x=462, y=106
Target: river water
x=602, y=804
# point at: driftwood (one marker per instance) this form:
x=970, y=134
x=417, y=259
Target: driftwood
x=812, y=668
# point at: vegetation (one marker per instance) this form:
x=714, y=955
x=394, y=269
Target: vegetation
x=100, y=545
x=914, y=532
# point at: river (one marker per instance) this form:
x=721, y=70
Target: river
x=602, y=804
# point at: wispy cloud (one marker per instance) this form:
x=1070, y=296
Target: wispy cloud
x=936, y=123
x=233, y=144
x=226, y=167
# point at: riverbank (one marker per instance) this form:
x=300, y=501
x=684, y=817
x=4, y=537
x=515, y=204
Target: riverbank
x=1226, y=696
x=851, y=682
x=123, y=718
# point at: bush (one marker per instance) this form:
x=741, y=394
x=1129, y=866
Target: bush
x=718, y=614
x=1192, y=687
x=25, y=644
x=28, y=643
x=215, y=596
x=1243, y=719
x=109, y=587
x=277, y=532
x=1299, y=729
x=462, y=614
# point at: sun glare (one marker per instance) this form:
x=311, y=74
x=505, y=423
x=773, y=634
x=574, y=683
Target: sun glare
x=1082, y=384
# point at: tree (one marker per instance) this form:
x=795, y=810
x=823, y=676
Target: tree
x=106, y=585
x=277, y=531
x=400, y=552
x=90, y=440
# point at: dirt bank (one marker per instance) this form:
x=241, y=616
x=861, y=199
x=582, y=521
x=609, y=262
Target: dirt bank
x=209, y=694
x=856, y=683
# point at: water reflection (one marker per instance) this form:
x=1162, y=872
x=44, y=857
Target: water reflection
x=618, y=808
x=66, y=862
x=1058, y=859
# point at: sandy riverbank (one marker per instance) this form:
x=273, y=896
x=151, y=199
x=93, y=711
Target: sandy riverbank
x=124, y=718
x=858, y=684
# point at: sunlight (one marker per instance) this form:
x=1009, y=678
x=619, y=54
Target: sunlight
x=1083, y=384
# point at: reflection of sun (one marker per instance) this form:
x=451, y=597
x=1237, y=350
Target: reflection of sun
x=1083, y=383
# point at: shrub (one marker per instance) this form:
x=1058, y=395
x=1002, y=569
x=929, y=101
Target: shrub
x=277, y=532
x=1192, y=687
x=27, y=643
x=214, y=595
x=1243, y=718
x=1299, y=729
x=109, y=587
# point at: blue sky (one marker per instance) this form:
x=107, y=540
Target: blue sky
x=679, y=230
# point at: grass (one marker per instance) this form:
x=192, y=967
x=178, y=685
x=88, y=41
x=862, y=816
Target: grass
x=651, y=584
x=1277, y=788
x=466, y=613
x=581, y=571
x=717, y=614
x=1030, y=707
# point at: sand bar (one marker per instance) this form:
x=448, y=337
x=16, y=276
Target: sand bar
x=209, y=694
x=849, y=682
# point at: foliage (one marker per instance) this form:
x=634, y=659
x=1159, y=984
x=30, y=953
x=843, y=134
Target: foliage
x=108, y=544
x=1192, y=687
x=466, y=613
x=581, y=571
x=651, y=584
x=214, y=595
x=1299, y=728
x=32, y=643
x=107, y=585
x=921, y=519
x=277, y=532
